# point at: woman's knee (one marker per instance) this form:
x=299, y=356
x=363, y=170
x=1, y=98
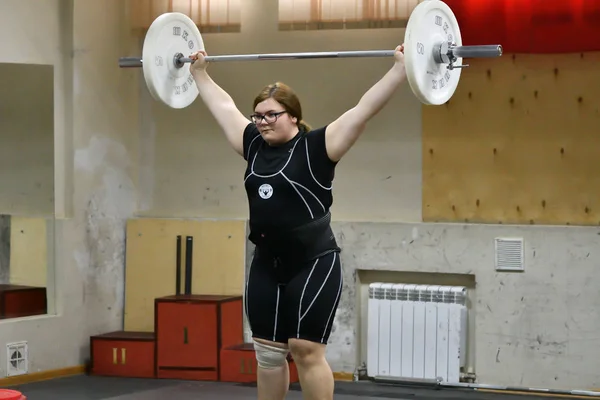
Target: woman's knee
x=270, y=355
x=306, y=352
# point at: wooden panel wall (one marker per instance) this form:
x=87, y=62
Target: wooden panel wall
x=29, y=251
x=218, y=263
x=519, y=142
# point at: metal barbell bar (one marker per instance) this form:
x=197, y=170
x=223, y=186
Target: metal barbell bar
x=451, y=53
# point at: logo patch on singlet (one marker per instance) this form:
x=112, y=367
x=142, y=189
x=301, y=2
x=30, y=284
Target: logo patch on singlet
x=265, y=191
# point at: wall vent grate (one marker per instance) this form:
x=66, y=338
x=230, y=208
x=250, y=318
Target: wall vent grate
x=509, y=254
x=16, y=359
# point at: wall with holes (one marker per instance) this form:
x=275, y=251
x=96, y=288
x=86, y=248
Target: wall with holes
x=519, y=143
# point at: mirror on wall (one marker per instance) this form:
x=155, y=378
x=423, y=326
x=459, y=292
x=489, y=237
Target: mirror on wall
x=26, y=190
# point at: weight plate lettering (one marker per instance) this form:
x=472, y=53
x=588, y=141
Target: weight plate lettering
x=431, y=23
x=171, y=34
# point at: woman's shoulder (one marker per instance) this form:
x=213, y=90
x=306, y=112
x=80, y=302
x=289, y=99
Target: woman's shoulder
x=315, y=133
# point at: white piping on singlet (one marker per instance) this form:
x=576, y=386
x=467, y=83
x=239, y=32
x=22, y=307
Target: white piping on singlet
x=292, y=183
x=311, y=171
x=246, y=297
x=276, y=312
x=334, y=303
x=300, y=314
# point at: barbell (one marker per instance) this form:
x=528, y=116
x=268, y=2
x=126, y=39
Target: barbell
x=433, y=54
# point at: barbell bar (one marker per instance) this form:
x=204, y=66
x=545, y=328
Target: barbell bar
x=433, y=54
x=451, y=53
x=443, y=53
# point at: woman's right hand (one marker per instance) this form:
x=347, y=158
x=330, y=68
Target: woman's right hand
x=199, y=64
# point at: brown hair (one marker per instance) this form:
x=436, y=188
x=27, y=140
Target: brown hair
x=284, y=95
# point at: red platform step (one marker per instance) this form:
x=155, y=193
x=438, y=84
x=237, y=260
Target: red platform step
x=238, y=364
x=125, y=354
x=190, y=332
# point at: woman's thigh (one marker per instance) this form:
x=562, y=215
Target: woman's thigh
x=263, y=299
x=311, y=298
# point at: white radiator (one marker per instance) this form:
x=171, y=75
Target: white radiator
x=416, y=331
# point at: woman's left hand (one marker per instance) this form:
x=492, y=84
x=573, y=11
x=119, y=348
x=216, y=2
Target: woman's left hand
x=399, y=55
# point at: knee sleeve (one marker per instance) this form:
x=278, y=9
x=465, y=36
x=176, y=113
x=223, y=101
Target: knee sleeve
x=269, y=357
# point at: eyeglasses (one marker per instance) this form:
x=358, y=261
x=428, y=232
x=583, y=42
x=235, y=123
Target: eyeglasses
x=269, y=118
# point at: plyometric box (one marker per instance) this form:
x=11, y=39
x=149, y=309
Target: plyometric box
x=217, y=262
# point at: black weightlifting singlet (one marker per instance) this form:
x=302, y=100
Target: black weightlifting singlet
x=289, y=189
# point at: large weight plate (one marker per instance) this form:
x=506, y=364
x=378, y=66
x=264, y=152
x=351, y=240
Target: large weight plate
x=168, y=35
x=431, y=22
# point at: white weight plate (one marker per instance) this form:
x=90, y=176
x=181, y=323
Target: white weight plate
x=168, y=35
x=431, y=22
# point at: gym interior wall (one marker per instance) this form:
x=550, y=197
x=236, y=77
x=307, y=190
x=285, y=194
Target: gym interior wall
x=422, y=197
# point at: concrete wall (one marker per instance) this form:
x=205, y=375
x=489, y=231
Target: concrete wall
x=96, y=140
x=535, y=328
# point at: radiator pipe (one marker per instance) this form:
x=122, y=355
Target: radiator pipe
x=482, y=387
x=407, y=381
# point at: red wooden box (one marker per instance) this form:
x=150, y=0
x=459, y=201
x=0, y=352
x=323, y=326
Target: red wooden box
x=22, y=301
x=238, y=364
x=127, y=354
x=190, y=332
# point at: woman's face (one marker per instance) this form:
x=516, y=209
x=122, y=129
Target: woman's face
x=274, y=123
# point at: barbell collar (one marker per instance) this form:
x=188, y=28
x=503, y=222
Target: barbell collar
x=130, y=62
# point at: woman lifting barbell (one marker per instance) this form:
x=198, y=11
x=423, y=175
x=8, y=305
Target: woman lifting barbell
x=295, y=279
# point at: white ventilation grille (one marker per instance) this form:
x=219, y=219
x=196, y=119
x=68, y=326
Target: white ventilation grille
x=509, y=254
x=16, y=359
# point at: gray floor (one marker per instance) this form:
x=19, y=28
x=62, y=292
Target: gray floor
x=104, y=388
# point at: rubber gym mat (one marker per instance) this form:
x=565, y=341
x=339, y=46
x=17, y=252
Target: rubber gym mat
x=83, y=387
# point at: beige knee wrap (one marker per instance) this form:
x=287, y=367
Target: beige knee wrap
x=269, y=357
